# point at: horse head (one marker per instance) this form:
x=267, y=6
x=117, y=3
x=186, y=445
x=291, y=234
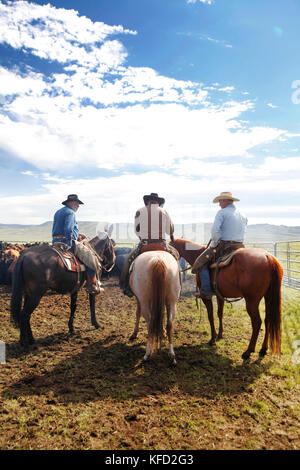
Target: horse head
x=104, y=246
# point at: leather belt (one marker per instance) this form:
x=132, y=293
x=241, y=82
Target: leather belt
x=153, y=241
x=58, y=236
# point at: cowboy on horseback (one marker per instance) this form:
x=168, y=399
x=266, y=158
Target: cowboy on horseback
x=227, y=234
x=65, y=230
x=152, y=223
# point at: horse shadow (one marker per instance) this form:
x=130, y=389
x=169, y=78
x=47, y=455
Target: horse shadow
x=106, y=369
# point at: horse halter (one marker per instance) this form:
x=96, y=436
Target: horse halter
x=109, y=248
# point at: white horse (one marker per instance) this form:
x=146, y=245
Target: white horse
x=155, y=281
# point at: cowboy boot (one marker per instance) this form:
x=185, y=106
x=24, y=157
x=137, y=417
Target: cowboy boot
x=125, y=285
x=124, y=279
x=93, y=285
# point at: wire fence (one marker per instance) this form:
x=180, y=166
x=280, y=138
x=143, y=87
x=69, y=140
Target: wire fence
x=288, y=254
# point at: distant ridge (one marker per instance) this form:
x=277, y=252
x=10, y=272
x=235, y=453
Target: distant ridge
x=124, y=233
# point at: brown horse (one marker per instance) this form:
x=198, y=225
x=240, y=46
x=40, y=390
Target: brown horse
x=40, y=268
x=253, y=274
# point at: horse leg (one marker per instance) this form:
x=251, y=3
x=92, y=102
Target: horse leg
x=265, y=344
x=171, y=311
x=72, y=315
x=30, y=304
x=220, y=316
x=253, y=311
x=210, y=312
x=93, y=311
x=137, y=322
x=148, y=352
x=147, y=316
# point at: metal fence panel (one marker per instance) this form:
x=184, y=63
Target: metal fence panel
x=288, y=254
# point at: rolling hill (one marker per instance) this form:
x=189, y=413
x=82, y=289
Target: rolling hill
x=124, y=233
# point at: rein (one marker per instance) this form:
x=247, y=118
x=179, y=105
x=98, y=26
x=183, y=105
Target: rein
x=186, y=269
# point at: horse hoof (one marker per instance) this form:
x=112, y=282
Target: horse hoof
x=262, y=352
x=212, y=342
x=132, y=338
x=246, y=355
x=173, y=362
x=96, y=325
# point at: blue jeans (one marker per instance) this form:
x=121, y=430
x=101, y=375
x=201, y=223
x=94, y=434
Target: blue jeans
x=205, y=281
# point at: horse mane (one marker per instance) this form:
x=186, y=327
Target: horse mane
x=184, y=248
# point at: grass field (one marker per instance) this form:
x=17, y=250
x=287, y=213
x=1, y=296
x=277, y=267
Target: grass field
x=91, y=391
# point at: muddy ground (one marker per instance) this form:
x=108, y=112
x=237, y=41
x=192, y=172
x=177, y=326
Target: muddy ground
x=92, y=391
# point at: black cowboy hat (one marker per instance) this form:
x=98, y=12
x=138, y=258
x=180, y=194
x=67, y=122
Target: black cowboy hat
x=154, y=197
x=72, y=198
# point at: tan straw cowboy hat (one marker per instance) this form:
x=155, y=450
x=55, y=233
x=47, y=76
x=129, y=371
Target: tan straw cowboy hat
x=225, y=195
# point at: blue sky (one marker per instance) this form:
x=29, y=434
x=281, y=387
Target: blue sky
x=114, y=99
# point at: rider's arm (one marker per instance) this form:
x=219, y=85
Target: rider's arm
x=69, y=224
x=216, y=228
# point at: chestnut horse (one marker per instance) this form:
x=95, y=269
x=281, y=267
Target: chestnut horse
x=40, y=268
x=253, y=274
x=155, y=281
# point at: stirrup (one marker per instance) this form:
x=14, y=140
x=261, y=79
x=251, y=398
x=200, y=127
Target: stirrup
x=203, y=295
x=95, y=288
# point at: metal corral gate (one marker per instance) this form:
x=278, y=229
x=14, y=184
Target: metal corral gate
x=288, y=253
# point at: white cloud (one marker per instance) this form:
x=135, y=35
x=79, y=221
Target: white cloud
x=52, y=136
x=58, y=34
x=100, y=112
x=205, y=37
x=209, y=2
x=187, y=200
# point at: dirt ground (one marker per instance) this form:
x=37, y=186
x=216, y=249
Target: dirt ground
x=92, y=391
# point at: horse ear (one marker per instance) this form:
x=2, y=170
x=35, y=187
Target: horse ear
x=110, y=230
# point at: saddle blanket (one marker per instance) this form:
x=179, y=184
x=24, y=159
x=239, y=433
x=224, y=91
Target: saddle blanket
x=73, y=265
x=68, y=258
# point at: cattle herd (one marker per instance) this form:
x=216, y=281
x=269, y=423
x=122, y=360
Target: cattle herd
x=9, y=253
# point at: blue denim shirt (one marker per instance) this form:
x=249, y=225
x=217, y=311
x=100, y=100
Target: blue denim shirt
x=65, y=224
x=229, y=224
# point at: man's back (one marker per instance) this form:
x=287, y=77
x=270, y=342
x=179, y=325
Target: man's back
x=229, y=224
x=152, y=222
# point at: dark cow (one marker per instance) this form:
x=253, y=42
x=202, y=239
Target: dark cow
x=9, y=257
x=121, y=254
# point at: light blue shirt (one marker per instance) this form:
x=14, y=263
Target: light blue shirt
x=229, y=224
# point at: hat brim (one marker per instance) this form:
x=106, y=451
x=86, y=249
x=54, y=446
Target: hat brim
x=160, y=200
x=219, y=198
x=74, y=200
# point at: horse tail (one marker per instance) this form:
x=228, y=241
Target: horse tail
x=273, y=316
x=157, y=304
x=17, y=292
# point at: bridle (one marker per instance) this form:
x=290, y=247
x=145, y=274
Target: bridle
x=108, y=246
